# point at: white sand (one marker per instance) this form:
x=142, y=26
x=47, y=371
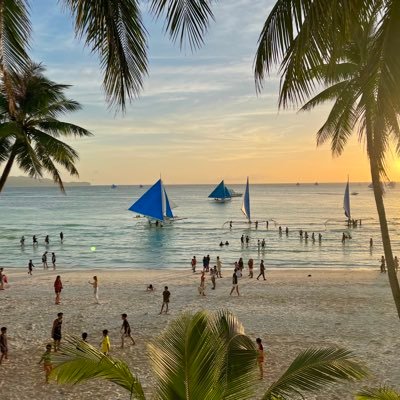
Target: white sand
x=290, y=311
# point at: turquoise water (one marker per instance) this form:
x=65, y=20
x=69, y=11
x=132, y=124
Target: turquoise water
x=97, y=217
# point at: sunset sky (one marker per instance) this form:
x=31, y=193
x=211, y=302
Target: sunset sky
x=198, y=119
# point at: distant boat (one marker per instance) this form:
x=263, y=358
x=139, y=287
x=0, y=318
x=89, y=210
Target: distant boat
x=221, y=193
x=297, y=184
x=346, y=201
x=140, y=186
x=246, y=202
x=113, y=186
x=354, y=193
x=316, y=184
x=234, y=194
x=154, y=204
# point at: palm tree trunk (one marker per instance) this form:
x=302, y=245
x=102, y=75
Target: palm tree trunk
x=387, y=247
x=374, y=162
x=7, y=169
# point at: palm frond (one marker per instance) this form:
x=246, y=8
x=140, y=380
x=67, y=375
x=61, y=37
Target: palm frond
x=313, y=369
x=59, y=128
x=78, y=362
x=185, y=359
x=15, y=30
x=239, y=356
x=114, y=30
x=5, y=145
x=185, y=19
x=27, y=159
x=382, y=393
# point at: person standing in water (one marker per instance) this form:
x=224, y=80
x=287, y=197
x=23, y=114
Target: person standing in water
x=47, y=240
x=53, y=260
x=371, y=243
x=194, y=263
x=125, y=330
x=44, y=260
x=383, y=264
x=22, y=241
x=61, y=237
x=57, y=288
x=95, y=285
x=250, y=264
x=34, y=240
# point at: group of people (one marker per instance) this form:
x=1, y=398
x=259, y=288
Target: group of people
x=35, y=240
x=383, y=264
x=44, y=262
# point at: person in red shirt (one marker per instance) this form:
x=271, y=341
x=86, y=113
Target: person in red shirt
x=57, y=288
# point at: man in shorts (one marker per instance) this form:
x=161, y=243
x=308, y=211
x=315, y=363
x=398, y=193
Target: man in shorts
x=166, y=296
x=234, y=284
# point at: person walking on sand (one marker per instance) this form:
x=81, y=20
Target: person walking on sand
x=125, y=330
x=202, y=286
x=105, y=344
x=235, y=285
x=47, y=364
x=166, y=295
x=260, y=357
x=219, y=267
x=56, y=331
x=194, y=263
x=53, y=260
x=250, y=264
x=3, y=344
x=383, y=264
x=44, y=260
x=30, y=267
x=262, y=270
x=57, y=288
x=95, y=285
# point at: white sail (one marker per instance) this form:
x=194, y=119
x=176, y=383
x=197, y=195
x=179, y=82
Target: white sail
x=246, y=201
x=346, y=201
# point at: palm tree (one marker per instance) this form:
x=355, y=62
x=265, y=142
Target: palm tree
x=312, y=42
x=206, y=356
x=30, y=129
x=112, y=29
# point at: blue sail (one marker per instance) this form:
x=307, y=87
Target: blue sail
x=168, y=211
x=151, y=203
x=346, y=201
x=220, y=192
x=246, y=201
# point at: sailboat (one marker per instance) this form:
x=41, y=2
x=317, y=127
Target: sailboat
x=346, y=201
x=246, y=202
x=221, y=193
x=154, y=204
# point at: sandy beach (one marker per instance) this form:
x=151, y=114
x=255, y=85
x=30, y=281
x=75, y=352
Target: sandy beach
x=290, y=312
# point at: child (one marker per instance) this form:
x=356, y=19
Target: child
x=125, y=330
x=47, y=365
x=105, y=343
x=166, y=296
x=260, y=357
x=150, y=288
x=3, y=344
x=84, y=337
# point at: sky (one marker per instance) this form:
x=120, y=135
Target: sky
x=199, y=118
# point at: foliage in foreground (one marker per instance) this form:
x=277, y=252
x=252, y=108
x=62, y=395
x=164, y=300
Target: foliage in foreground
x=207, y=356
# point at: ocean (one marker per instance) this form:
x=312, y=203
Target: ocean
x=100, y=232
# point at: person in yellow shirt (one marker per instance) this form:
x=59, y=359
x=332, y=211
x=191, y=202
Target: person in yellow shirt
x=105, y=343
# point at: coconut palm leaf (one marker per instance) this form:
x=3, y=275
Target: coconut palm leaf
x=15, y=30
x=59, y=128
x=78, y=362
x=185, y=19
x=202, y=356
x=382, y=393
x=314, y=369
x=114, y=30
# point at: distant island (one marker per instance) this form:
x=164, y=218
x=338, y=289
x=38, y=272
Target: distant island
x=24, y=181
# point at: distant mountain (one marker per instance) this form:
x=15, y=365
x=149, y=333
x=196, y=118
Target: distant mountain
x=24, y=181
